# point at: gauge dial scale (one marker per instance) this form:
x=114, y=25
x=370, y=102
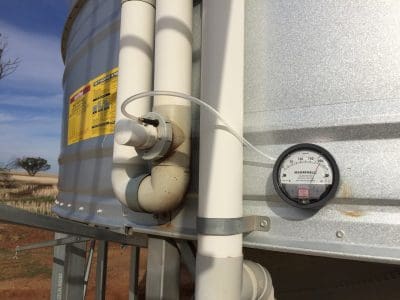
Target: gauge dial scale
x=306, y=175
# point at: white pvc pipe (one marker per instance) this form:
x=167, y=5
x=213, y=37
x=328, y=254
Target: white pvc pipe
x=165, y=188
x=173, y=51
x=219, y=262
x=135, y=75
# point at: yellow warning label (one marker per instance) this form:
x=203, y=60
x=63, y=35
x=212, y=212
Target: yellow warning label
x=92, y=108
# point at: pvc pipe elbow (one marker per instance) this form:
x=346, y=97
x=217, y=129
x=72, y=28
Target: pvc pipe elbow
x=164, y=190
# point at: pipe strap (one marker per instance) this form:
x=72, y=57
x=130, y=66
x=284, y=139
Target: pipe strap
x=232, y=226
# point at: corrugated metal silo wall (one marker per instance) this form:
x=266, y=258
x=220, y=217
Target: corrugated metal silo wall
x=324, y=72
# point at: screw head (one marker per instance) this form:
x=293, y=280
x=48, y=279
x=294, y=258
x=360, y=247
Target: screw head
x=340, y=234
x=264, y=223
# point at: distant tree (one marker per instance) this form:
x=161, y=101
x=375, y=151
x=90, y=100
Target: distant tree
x=7, y=65
x=31, y=164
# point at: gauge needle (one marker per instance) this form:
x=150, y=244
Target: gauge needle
x=315, y=172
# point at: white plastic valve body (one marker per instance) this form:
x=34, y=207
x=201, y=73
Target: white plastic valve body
x=131, y=133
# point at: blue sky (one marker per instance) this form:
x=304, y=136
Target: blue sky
x=31, y=97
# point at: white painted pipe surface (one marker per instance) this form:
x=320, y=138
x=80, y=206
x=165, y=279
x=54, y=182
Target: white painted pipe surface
x=165, y=188
x=135, y=75
x=219, y=262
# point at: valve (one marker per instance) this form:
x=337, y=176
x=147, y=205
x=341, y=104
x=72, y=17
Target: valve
x=151, y=136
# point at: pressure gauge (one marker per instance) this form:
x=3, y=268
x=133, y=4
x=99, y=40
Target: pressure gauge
x=306, y=176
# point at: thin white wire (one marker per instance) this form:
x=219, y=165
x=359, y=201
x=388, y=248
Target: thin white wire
x=198, y=102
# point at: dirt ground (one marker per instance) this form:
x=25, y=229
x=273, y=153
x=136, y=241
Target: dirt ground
x=29, y=275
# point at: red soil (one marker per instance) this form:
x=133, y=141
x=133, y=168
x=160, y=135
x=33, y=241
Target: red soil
x=29, y=276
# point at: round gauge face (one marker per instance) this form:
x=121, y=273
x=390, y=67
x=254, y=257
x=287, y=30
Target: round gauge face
x=306, y=175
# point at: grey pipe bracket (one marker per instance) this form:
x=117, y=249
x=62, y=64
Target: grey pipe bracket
x=232, y=226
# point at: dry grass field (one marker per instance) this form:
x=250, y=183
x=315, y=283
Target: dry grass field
x=35, y=194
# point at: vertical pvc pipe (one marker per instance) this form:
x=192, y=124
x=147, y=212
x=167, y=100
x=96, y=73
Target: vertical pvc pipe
x=173, y=50
x=165, y=188
x=135, y=75
x=219, y=262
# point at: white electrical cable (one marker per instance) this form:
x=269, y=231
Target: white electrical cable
x=194, y=100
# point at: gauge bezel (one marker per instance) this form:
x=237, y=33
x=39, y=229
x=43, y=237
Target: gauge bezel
x=311, y=147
